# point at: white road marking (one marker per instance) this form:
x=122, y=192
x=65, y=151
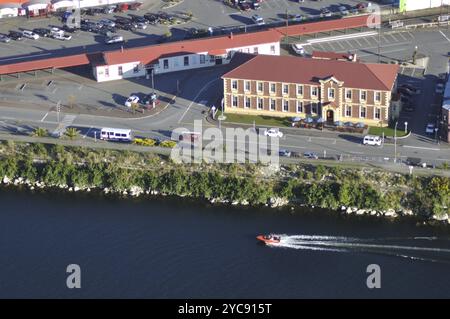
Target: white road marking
x=443, y=34
x=45, y=116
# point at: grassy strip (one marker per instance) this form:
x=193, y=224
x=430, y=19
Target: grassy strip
x=374, y=130
x=260, y=120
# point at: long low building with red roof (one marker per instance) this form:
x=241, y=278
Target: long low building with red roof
x=330, y=89
x=181, y=55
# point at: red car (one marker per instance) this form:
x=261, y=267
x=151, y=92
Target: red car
x=245, y=6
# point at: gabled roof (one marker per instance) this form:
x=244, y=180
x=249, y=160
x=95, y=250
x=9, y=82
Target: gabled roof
x=310, y=71
x=152, y=53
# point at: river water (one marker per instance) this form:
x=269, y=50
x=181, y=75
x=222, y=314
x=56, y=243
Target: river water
x=178, y=248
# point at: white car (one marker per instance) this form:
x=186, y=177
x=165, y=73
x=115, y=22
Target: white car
x=372, y=140
x=4, y=38
x=273, y=132
x=430, y=128
x=258, y=20
x=343, y=10
x=114, y=39
x=132, y=100
x=61, y=36
x=299, y=49
x=107, y=23
x=141, y=25
x=30, y=34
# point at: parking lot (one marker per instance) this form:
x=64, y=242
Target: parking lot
x=224, y=18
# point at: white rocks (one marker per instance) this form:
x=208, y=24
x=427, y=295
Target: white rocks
x=278, y=202
x=245, y=202
x=135, y=190
x=373, y=213
x=440, y=217
x=88, y=189
x=32, y=188
x=234, y=202
x=349, y=210
x=70, y=189
x=106, y=190
x=390, y=213
x=360, y=212
x=343, y=208
x=76, y=189
x=407, y=212
x=6, y=180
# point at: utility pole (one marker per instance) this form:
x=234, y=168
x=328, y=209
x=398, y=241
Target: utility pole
x=58, y=110
x=379, y=43
x=287, y=26
x=395, y=142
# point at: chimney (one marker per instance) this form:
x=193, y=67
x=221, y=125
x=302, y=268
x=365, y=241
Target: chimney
x=231, y=35
x=121, y=48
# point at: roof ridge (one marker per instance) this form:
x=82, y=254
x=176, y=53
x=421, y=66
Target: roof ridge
x=369, y=66
x=241, y=65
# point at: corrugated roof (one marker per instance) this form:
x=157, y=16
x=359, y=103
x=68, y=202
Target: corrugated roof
x=60, y=62
x=152, y=53
x=310, y=71
x=331, y=55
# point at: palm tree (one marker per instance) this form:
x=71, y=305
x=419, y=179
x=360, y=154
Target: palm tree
x=72, y=133
x=134, y=107
x=40, y=132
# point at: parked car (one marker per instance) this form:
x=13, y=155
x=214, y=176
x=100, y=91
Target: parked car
x=149, y=99
x=141, y=26
x=310, y=155
x=284, y=153
x=43, y=32
x=296, y=154
x=343, y=10
x=66, y=28
x=109, y=9
x=430, y=128
x=324, y=12
x=273, y=132
x=244, y=6
x=30, y=34
x=298, y=49
x=372, y=140
x=61, y=36
x=113, y=39
x=139, y=19
x=4, y=38
x=15, y=35
x=151, y=18
x=413, y=161
x=258, y=19
x=296, y=17
x=107, y=23
x=133, y=99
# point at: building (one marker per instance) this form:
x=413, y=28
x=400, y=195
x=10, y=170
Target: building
x=411, y=5
x=303, y=87
x=9, y=10
x=183, y=55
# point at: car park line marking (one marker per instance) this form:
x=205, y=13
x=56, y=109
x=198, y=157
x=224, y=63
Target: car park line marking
x=443, y=34
x=359, y=43
x=367, y=41
x=45, y=116
x=402, y=36
x=87, y=133
x=340, y=44
x=383, y=52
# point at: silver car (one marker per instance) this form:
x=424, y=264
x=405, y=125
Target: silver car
x=4, y=38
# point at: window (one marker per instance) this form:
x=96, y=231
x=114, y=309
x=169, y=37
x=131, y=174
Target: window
x=314, y=91
x=313, y=108
x=331, y=93
x=377, y=113
x=247, y=86
x=285, y=106
x=186, y=61
x=362, y=111
x=299, y=90
x=234, y=101
x=165, y=63
x=136, y=68
x=348, y=94
x=120, y=70
x=202, y=59
x=106, y=72
x=348, y=111
x=363, y=95
x=248, y=102
x=255, y=50
x=272, y=105
x=285, y=88
x=272, y=88
x=299, y=107
x=378, y=97
x=260, y=87
x=272, y=49
x=260, y=105
x=212, y=58
x=234, y=84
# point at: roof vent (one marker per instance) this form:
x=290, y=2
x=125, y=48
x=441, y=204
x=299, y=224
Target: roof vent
x=231, y=35
x=121, y=48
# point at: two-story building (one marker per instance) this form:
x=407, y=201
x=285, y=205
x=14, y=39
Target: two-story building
x=330, y=89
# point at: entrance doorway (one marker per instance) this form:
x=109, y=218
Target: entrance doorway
x=330, y=116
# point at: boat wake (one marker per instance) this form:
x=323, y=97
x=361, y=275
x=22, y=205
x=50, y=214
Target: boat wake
x=414, y=248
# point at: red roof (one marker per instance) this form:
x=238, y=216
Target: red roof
x=57, y=63
x=325, y=26
x=309, y=71
x=152, y=53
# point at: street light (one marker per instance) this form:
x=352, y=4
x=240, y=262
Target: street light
x=406, y=127
x=436, y=135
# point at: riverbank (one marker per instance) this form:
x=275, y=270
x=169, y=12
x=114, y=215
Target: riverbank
x=362, y=191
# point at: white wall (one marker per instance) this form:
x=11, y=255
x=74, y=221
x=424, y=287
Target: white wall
x=127, y=69
x=424, y=4
x=8, y=12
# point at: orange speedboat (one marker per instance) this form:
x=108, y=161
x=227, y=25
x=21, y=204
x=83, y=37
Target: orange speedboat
x=269, y=239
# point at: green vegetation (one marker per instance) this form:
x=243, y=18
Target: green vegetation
x=258, y=120
x=321, y=186
x=40, y=132
x=71, y=133
x=168, y=144
x=144, y=141
x=388, y=131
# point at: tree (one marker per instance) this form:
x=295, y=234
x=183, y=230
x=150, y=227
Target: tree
x=40, y=132
x=72, y=133
x=134, y=107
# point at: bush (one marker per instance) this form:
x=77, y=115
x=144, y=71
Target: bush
x=168, y=144
x=144, y=141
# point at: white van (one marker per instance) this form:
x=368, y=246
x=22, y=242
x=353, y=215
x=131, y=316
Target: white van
x=372, y=140
x=116, y=134
x=30, y=34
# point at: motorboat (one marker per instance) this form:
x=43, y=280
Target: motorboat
x=269, y=239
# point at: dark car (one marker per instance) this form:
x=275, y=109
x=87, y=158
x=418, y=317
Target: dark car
x=126, y=26
x=413, y=161
x=150, y=98
x=151, y=18
x=93, y=11
x=42, y=32
x=197, y=33
x=69, y=29
x=244, y=6
x=15, y=35
x=139, y=19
